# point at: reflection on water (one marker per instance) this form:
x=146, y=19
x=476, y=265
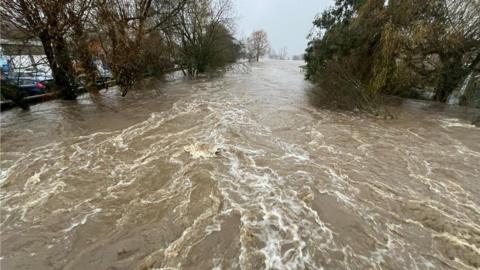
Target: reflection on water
x=237, y=172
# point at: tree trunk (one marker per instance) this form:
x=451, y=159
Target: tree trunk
x=474, y=63
x=450, y=77
x=85, y=58
x=66, y=70
x=46, y=40
x=59, y=61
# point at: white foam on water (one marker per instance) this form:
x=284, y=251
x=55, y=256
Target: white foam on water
x=201, y=150
x=454, y=122
x=267, y=178
x=83, y=220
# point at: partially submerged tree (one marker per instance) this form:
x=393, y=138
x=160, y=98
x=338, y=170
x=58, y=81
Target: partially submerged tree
x=50, y=22
x=135, y=37
x=125, y=25
x=202, y=36
x=281, y=54
x=258, y=44
x=459, y=46
x=397, y=46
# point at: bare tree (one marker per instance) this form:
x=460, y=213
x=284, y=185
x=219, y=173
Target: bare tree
x=283, y=53
x=258, y=43
x=134, y=36
x=202, y=36
x=49, y=21
x=125, y=25
x=459, y=45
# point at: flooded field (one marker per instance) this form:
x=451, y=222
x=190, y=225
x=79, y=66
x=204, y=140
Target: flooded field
x=237, y=172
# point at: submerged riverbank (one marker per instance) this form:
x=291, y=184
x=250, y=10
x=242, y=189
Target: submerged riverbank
x=237, y=172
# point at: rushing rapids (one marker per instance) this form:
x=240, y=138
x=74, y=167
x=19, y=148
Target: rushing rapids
x=237, y=172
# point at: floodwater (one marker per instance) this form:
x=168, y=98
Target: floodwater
x=239, y=171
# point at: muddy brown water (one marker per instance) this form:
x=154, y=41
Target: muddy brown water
x=237, y=172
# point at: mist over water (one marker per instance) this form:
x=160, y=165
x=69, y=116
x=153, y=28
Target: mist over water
x=237, y=172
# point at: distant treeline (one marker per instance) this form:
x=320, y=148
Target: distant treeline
x=364, y=48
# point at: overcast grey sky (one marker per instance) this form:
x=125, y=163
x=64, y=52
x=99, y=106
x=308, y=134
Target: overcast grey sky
x=287, y=22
